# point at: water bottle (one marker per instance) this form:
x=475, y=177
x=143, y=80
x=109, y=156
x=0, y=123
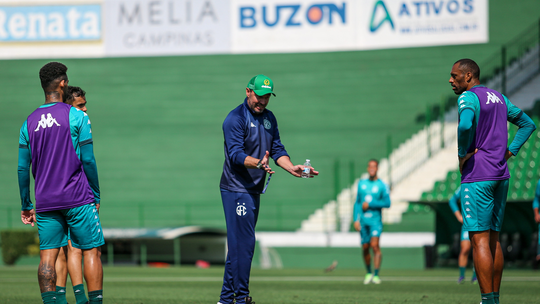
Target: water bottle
x=307, y=170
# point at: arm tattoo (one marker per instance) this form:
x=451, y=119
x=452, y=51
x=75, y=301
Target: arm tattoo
x=46, y=277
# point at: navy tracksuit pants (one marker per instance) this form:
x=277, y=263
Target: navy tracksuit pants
x=241, y=213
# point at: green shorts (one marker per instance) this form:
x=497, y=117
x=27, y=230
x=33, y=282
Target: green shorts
x=464, y=235
x=83, y=223
x=482, y=205
x=369, y=230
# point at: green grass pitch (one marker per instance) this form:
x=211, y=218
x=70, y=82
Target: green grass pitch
x=136, y=285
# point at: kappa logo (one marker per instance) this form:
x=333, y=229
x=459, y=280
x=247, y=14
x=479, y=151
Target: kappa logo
x=467, y=209
x=252, y=125
x=466, y=189
x=493, y=98
x=241, y=209
x=467, y=196
x=46, y=122
x=374, y=232
x=375, y=189
x=467, y=203
x=469, y=216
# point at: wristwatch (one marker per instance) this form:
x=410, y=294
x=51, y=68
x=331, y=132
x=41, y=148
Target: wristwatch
x=259, y=164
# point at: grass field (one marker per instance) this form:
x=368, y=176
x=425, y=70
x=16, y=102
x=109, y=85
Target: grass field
x=191, y=285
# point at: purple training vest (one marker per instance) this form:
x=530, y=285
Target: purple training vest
x=60, y=182
x=490, y=138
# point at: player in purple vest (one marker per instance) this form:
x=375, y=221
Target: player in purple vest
x=69, y=257
x=483, y=153
x=56, y=139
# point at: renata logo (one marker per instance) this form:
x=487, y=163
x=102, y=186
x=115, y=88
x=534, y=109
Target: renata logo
x=51, y=23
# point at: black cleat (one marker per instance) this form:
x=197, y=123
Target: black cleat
x=249, y=300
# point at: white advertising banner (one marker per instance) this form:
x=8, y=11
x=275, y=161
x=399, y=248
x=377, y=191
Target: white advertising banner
x=108, y=28
x=312, y=25
x=292, y=26
x=410, y=23
x=59, y=29
x=166, y=27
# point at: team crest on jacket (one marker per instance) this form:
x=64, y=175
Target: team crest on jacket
x=267, y=124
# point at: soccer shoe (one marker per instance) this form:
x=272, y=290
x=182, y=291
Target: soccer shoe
x=460, y=280
x=249, y=300
x=368, y=278
x=474, y=280
x=376, y=280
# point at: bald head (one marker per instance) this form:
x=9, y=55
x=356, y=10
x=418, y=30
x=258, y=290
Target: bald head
x=469, y=66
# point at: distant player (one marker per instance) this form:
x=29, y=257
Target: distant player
x=70, y=258
x=536, y=206
x=465, y=242
x=77, y=98
x=373, y=195
x=57, y=140
x=251, y=137
x=483, y=152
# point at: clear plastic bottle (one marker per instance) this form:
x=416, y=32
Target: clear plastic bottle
x=307, y=170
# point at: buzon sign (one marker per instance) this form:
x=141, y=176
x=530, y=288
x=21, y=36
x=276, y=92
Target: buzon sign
x=291, y=15
x=50, y=23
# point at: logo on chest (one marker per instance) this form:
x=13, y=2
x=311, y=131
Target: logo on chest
x=267, y=124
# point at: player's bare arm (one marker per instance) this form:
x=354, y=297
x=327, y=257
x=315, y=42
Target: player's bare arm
x=357, y=226
x=536, y=216
x=462, y=160
x=508, y=154
x=253, y=163
x=285, y=163
x=459, y=217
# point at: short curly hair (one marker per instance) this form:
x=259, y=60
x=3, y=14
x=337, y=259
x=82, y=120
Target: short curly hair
x=51, y=73
x=74, y=92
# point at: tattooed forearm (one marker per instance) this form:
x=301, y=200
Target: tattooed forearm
x=46, y=277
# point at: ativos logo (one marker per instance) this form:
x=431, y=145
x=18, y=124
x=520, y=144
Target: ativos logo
x=411, y=10
x=46, y=122
x=291, y=15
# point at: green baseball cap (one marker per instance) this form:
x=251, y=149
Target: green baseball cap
x=261, y=85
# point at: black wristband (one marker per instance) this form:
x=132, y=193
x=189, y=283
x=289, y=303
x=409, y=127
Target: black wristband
x=259, y=164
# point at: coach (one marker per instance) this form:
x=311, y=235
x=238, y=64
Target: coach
x=251, y=137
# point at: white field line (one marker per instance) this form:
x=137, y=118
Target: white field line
x=286, y=278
